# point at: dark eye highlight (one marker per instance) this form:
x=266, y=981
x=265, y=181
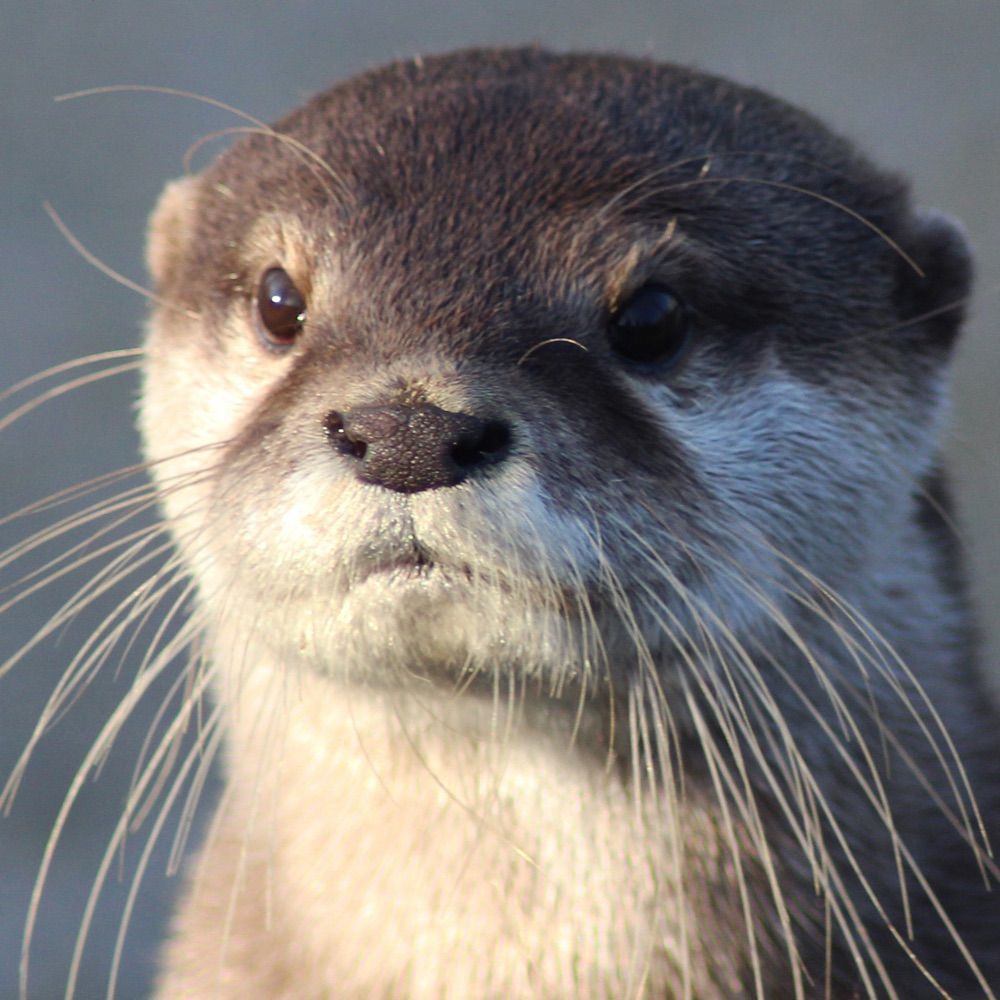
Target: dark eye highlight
x=651, y=327
x=281, y=309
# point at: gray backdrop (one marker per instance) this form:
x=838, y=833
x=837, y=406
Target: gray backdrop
x=915, y=83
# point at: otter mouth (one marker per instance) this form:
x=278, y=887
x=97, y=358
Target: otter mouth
x=417, y=561
x=413, y=563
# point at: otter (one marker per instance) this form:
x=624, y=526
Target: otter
x=551, y=441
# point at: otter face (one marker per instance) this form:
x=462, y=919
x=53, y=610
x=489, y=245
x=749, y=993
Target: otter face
x=590, y=384
x=540, y=363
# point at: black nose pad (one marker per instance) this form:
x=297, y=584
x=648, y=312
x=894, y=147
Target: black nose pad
x=414, y=448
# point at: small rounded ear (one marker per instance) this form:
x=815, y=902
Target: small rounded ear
x=170, y=229
x=934, y=302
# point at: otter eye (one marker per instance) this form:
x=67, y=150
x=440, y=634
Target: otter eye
x=650, y=327
x=281, y=309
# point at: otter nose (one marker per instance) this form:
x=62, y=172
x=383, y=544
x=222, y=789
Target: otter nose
x=413, y=448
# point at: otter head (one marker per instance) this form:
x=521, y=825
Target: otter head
x=515, y=361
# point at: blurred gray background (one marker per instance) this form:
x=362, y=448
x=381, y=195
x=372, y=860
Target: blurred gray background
x=915, y=83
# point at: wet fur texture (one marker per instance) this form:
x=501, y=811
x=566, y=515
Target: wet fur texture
x=677, y=699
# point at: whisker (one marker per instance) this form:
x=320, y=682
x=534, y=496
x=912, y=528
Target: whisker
x=204, y=751
x=91, y=258
x=97, y=751
x=61, y=390
x=64, y=366
x=257, y=125
x=165, y=748
x=544, y=343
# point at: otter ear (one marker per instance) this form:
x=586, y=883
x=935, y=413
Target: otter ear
x=169, y=229
x=934, y=302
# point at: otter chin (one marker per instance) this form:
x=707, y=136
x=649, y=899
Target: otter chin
x=552, y=445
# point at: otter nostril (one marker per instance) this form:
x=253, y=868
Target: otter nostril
x=496, y=437
x=491, y=441
x=340, y=439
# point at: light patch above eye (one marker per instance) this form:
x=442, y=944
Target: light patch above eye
x=280, y=310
